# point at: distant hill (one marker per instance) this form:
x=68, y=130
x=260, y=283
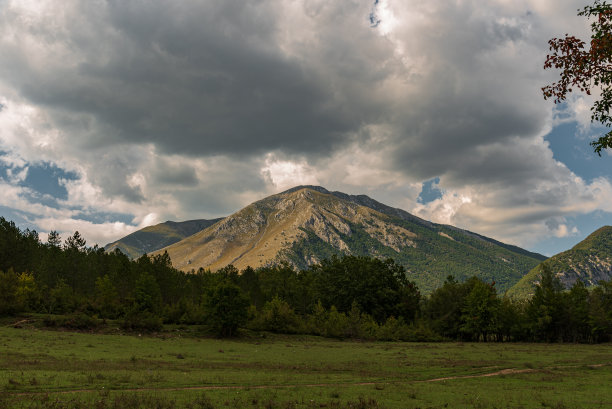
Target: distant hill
x=308, y=223
x=589, y=261
x=153, y=238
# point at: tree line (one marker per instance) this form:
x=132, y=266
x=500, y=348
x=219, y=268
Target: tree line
x=78, y=286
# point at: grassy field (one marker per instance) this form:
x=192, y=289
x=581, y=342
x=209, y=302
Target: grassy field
x=52, y=369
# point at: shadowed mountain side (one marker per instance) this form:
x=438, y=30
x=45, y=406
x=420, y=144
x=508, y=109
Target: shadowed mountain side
x=153, y=238
x=589, y=261
x=308, y=223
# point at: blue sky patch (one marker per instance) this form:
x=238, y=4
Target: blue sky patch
x=430, y=191
x=39, y=198
x=45, y=179
x=105, y=217
x=574, y=151
x=586, y=224
x=374, y=20
x=4, y=168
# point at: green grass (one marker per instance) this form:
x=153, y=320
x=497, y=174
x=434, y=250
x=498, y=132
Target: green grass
x=40, y=368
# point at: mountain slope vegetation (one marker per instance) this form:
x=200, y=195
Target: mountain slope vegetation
x=589, y=261
x=153, y=238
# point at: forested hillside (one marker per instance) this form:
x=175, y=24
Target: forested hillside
x=81, y=287
x=589, y=261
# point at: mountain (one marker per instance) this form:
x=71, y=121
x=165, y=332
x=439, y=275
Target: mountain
x=589, y=261
x=153, y=238
x=308, y=223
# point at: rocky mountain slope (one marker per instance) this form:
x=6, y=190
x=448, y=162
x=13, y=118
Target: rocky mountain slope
x=153, y=238
x=589, y=261
x=308, y=223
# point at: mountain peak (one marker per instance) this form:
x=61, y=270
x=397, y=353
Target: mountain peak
x=596, y=240
x=319, y=189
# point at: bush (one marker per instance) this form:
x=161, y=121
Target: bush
x=394, y=330
x=78, y=321
x=277, y=316
x=184, y=312
x=141, y=321
x=337, y=325
x=62, y=299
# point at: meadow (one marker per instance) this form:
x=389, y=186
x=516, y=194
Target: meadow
x=54, y=369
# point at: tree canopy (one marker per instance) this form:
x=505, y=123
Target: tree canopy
x=586, y=69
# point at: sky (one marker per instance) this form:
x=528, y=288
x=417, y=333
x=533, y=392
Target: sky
x=116, y=114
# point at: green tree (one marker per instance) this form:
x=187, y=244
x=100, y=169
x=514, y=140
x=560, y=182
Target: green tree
x=27, y=291
x=19, y=250
x=75, y=242
x=584, y=69
x=249, y=282
x=577, y=319
x=61, y=299
x=147, y=295
x=545, y=310
x=54, y=239
x=336, y=325
x=379, y=287
x=480, y=311
x=355, y=321
x=278, y=316
x=9, y=283
x=511, y=319
x=279, y=281
x=226, y=308
x=144, y=313
x=600, y=312
x=106, y=297
x=443, y=308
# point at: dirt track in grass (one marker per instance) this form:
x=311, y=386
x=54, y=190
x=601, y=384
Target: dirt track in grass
x=508, y=371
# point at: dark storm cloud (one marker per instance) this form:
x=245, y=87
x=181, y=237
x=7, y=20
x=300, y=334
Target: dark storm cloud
x=112, y=173
x=170, y=174
x=197, y=78
x=220, y=187
x=475, y=93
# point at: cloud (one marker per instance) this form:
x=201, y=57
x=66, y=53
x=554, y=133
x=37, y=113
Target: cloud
x=176, y=110
x=521, y=214
x=195, y=78
x=284, y=174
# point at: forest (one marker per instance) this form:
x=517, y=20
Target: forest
x=75, y=286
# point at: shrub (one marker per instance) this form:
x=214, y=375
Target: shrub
x=277, y=316
x=141, y=321
x=78, y=321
